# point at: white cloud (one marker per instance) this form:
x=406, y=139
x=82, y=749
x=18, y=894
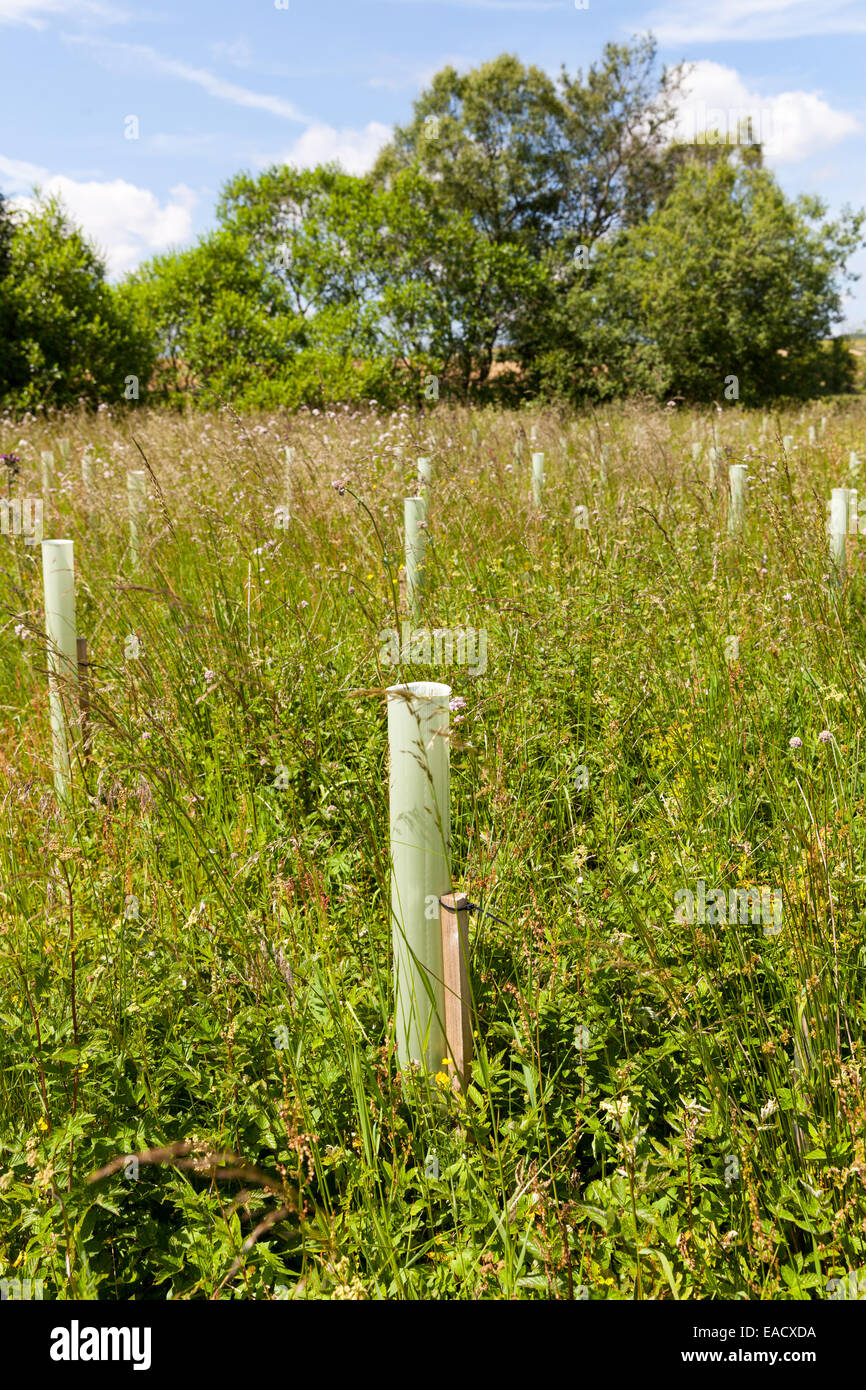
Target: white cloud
x=239, y=53
x=139, y=53
x=354, y=150
x=792, y=125
x=403, y=75
x=493, y=4
x=126, y=222
x=18, y=174
x=34, y=12
x=693, y=21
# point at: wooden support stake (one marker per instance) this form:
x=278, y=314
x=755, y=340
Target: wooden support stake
x=84, y=697
x=455, y=969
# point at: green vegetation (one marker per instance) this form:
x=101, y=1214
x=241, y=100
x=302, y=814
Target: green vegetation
x=67, y=337
x=199, y=954
x=519, y=239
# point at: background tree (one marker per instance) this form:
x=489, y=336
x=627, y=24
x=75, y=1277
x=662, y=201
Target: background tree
x=533, y=161
x=11, y=370
x=70, y=338
x=321, y=285
x=217, y=324
x=551, y=224
x=541, y=167
x=728, y=277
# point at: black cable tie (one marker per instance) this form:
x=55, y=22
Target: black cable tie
x=474, y=907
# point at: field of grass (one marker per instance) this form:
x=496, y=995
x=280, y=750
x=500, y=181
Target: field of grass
x=195, y=961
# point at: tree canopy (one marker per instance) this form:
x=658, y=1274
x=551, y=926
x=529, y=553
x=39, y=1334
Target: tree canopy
x=68, y=337
x=521, y=235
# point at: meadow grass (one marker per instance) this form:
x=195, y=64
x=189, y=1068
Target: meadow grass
x=195, y=961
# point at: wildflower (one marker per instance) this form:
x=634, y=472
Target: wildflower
x=443, y=1080
x=618, y=1107
x=208, y=676
x=457, y=703
x=41, y=1124
x=693, y=1106
x=769, y=1108
x=795, y=742
x=825, y=736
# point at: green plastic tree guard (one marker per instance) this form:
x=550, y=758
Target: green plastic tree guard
x=420, y=846
x=58, y=577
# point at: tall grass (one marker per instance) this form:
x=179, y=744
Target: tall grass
x=195, y=962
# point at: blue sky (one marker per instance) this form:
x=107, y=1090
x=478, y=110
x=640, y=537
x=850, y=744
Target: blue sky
x=220, y=85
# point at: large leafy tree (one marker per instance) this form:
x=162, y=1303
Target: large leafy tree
x=320, y=284
x=727, y=278
x=70, y=340
x=553, y=222
x=532, y=160
x=9, y=364
x=217, y=323
x=537, y=168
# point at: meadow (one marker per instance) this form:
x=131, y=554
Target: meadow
x=200, y=1095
